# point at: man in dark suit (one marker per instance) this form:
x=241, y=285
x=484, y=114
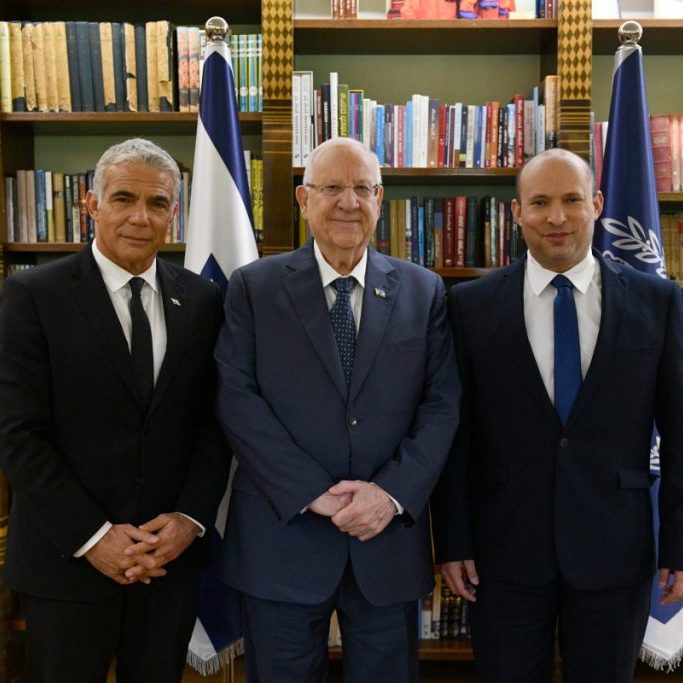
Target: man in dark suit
x=108, y=436
x=542, y=515
x=338, y=392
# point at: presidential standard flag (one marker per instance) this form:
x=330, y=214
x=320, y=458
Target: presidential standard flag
x=629, y=232
x=220, y=238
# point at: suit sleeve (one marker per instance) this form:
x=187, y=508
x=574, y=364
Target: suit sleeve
x=287, y=476
x=410, y=476
x=39, y=476
x=207, y=477
x=669, y=418
x=450, y=501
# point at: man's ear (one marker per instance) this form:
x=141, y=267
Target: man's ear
x=302, y=197
x=91, y=203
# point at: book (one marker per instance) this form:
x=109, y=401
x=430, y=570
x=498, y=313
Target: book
x=193, y=52
x=38, y=46
x=334, y=104
x=296, y=119
x=29, y=71
x=119, y=66
x=40, y=205
x=49, y=208
x=72, y=61
x=130, y=67
x=108, y=66
x=152, y=67
x=252, y=72
x=59, y=207
x=96, y=70
x=17, y=69
x=141, y=80
x=343, y=112
x=183, y=38
x=5, y=71
x=165, y=60
x=307, y=118
x=11, y=207
x=660, y=131
x=459, y=224
x=85, y=78
x=22, y=211
x=472, y=242
x=50, y=57
x=64, y=102
x=433, y=133
x=449, y=232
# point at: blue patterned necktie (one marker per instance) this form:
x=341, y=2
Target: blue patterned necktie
x=567, y=349
x=344, y=325
x=141, y=343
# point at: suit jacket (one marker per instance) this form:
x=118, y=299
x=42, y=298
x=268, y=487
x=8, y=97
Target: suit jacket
x=283, y=404
x=76, y=444
x=528, y=498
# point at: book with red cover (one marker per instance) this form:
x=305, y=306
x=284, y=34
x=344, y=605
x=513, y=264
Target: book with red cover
x=449, y=232
x=460, y=218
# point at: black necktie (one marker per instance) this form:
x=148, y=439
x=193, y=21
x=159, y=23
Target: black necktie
x=141, y=343
x=567, y=350
x=344, y=325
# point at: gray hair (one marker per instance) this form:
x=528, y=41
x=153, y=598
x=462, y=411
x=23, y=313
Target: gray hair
x=565, y=155
x=341, y=142
x=136, y=151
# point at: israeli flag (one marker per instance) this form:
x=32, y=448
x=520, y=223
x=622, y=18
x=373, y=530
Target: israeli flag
x=220, y=238
x=629, y=232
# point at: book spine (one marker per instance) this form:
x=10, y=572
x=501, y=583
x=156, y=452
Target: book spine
x=165, y=71
x=119, y=64
x=108, y=65
x=296, y=119
x=40, y=206
x=448, y=232
x=334, y=104
x=50, y=57
x=5, y=70
x=17, y=70
x=96, y=72
x=152, y=66
x=460, y=217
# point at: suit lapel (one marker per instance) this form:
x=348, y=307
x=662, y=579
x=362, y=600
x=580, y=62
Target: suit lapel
x=92, y=296
x=305, y=290
x=614, y=297
x=174, y=298
x=381, y=292
x=521, y=356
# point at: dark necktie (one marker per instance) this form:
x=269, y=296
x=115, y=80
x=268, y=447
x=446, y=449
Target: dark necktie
x=344, y=325
x=141, y=343
x=567, y=349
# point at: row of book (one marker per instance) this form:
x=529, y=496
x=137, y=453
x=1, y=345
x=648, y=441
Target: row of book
x=85, y=66
x=666, y=132
x=445, y=232
x=442, y=614
x=473, y=9
x=344, y=9
x=424, y=132
x=49, y=206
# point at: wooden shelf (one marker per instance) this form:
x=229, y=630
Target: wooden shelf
x=405, y=36
x=116, y=123
x=177, y=11
x=67, y=247
x=445, y=649
x=440, y=176
x=660, y=36
x=670, y=199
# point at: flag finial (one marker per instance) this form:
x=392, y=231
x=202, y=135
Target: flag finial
x=217, y=29
x=630, y=32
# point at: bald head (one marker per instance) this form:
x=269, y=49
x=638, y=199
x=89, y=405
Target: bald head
x=561, y=155
x=337, y=147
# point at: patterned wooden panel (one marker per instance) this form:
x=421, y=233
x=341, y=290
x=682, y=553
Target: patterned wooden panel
x=278, y=52
x=574, y=66
x=278, y=64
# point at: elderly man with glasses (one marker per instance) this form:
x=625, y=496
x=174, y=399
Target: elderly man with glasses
x=339, y=393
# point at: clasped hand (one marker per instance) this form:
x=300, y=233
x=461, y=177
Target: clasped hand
x=127, y=554
x=359, y=508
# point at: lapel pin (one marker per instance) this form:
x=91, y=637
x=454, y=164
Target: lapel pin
x=175, y=301
x=381, y=293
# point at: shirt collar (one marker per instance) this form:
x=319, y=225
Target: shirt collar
x=116, y=277
x=328, y=274
x=581, y=275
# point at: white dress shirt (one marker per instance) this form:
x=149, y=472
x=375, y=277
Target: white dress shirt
x=116, y=281
x=328, y=275
x=539, y=295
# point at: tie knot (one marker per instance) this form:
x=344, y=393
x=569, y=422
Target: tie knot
x=562, y=281
x=136, y=285
x=344, y=285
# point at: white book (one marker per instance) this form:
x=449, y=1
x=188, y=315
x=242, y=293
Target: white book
x=49, y=211
x=455, y=161
x=482, y=147
x=307, y=107
x=529, y=132
x=368, y=117
x=424, y=130
x=5, y=71
x=296, y=118
x=247, y=163
x=334, y=104
x=471, y=123
x=415, y=161
x=540, y=133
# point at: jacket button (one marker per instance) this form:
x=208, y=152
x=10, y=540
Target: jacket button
x=564, y=442
x=352, y=421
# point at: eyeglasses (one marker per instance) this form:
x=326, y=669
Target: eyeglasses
x=361, y=191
